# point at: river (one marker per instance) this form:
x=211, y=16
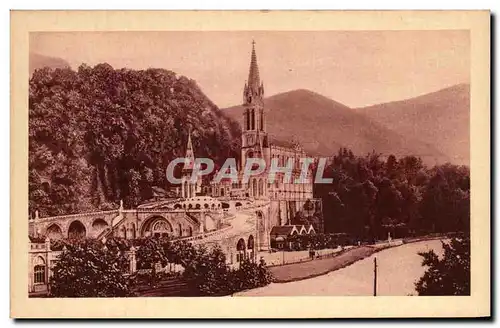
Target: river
x=398, y=270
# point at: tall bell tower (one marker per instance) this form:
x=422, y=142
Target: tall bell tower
x=254, y=135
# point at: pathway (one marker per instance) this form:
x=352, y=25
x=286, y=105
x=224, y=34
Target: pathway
x=309, y=269
x=398, y=270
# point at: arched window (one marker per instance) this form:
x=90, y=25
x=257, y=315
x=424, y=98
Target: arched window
x=261, y=187
x=222, y=192
x=39, y=271
x=161, y=228
x=261, y=121
x=250, y=242
x=190, y=231
x=252, y=118
x=132, y=229
x=241, y=248
x=248, y=119
x=254, y=188
x=180, y=230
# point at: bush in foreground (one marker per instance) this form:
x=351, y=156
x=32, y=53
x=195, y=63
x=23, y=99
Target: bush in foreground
x=209, y=274
x=88, y=269
x=449, y=275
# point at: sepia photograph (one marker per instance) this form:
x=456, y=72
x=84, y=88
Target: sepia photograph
x=240, y=164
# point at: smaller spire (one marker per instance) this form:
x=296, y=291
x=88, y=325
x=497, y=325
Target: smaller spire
x=189, y=162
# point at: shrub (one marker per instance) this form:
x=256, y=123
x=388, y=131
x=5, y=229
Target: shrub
x=209, y=274
x=449, y=275
x=87, y=269
x=249, y=275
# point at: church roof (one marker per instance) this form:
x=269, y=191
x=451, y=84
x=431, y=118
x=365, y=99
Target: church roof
x=285, y=230
x=273, y=141
x=281, y=230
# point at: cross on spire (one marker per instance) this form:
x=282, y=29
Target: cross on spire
x=254, y=89
x=253, y=74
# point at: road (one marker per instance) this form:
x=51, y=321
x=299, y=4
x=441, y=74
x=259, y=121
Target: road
x=399, y=268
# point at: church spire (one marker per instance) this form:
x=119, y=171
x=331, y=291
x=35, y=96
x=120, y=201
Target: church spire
x=189, y=158
x=253, y=74
x=254, y=88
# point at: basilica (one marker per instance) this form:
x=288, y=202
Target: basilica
x=286, y=198
x=243, y=216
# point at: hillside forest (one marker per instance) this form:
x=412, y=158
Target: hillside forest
x=99, y=135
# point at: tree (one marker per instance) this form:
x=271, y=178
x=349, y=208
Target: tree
x=449, y=275
x=88, y=269
x=445, y=205
x=99, y=135
x=208, y=272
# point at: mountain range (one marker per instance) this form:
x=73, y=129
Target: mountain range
x=440, y=119
x=434, y=126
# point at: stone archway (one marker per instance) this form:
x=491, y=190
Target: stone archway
x=54, y=231
x=76, y=230
x=157, y=226
x=99, y=225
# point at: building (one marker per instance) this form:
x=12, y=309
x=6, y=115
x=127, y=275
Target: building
x=287, y=199
x=237, y=215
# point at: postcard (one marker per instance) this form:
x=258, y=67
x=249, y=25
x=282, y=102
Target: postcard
x=250, y=164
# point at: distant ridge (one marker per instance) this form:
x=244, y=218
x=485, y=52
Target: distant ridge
x=323, y=125
x=37, y=61
x=439, y=118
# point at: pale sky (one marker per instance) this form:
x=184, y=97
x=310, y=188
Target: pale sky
x=356, y=68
